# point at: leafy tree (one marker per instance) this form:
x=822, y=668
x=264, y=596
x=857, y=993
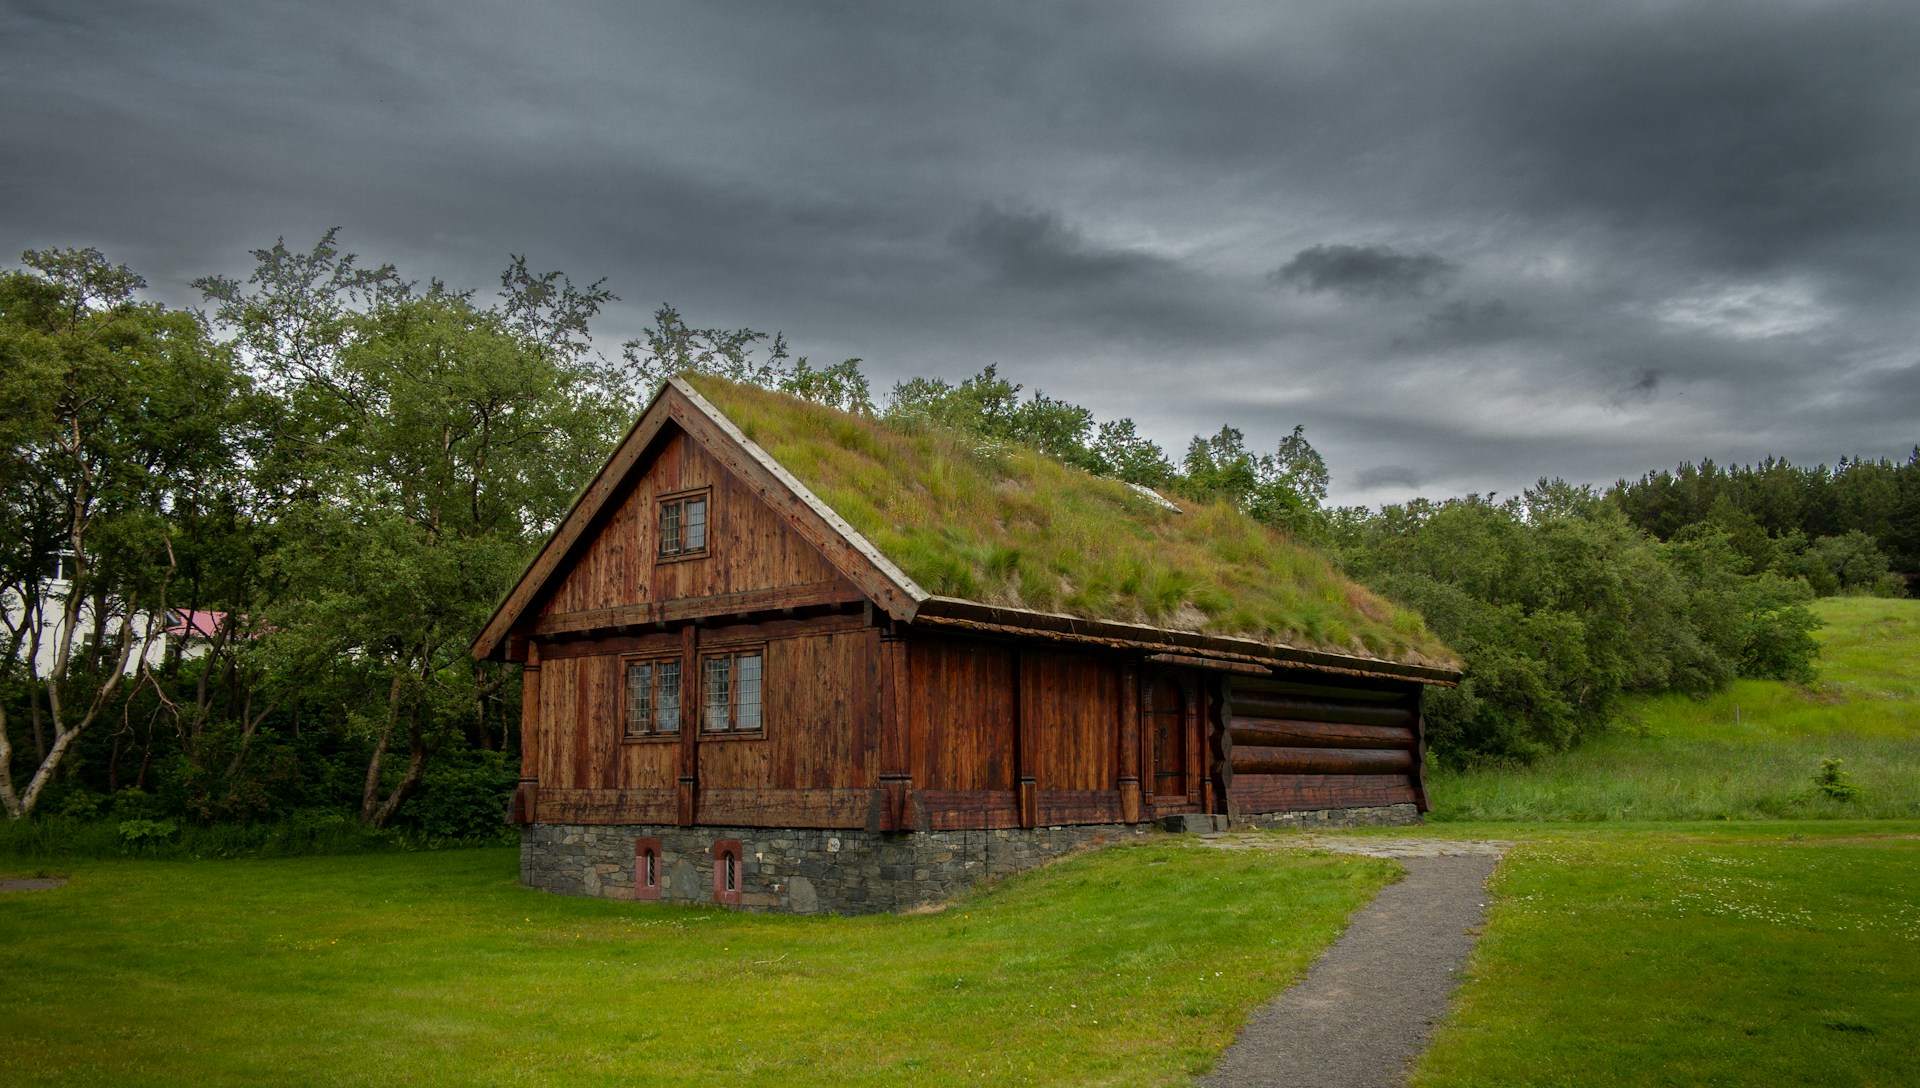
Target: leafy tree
x=1285, y=488
x=118, y=424
x=422, y=445
x=1559, y=606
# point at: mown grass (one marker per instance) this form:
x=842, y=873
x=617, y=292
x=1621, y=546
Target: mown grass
x=1781, y=953
x=1010, y=526
x=50, y=837
x=1131, y=966
x=1751, y=751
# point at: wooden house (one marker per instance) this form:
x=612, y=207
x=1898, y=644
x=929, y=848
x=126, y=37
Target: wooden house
x=791, y=658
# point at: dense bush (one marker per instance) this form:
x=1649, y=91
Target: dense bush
x=1559, y=606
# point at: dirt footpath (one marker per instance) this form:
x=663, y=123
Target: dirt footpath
x=1368, y=1007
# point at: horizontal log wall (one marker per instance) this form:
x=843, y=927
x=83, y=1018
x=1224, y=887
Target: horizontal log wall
x=1298, y=747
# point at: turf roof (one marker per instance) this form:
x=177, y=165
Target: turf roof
x=1009, y=526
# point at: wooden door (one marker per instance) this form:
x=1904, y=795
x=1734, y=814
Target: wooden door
x=1167, y=726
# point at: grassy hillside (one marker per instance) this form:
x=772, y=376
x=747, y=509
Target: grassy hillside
x=1751, y=751
x=1013, y=527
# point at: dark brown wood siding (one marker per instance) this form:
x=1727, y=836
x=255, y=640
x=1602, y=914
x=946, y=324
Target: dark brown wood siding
x=814, y=764
x=750, y=547
x=1299, y=746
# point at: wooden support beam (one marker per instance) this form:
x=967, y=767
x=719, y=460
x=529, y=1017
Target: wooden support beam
x=1252, y=704
x=531, y=730
x=1420, y=750
x=742, y=604
x=1272, y=733
x=1220, y=751
x=1129, y=761
x=1250, y=760
x=896, y=777
x=1026, y=746
x=689, y=777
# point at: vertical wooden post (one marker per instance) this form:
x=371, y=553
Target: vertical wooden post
x=691, y=690
x=527, y=794
x=1420, y=748
x=1129, y=778
x=896, y=768
x=1199, y=782
x=1026, y=746
x=1220, y=727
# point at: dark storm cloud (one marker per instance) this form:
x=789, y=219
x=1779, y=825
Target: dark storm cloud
x=1365, y=272
x=1640, y=390
x=1038, y=248
x=1504, y=218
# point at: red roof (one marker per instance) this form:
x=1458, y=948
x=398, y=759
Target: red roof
x=196, y=622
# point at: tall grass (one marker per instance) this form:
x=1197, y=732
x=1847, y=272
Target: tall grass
x=1751, y=751
x=1011, y=526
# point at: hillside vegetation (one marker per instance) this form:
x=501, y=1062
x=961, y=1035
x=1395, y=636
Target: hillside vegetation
x=1751, y=750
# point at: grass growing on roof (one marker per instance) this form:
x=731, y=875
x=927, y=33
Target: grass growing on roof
x=1010, y=526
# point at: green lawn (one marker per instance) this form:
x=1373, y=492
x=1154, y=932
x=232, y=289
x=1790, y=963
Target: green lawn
x=1761, y=954
x=1749, y=752
x=1131, y=966
x=1718, y=951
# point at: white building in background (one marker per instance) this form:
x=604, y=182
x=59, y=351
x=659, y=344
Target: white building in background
x=193, y=629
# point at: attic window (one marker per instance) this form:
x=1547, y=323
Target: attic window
x=683, y=526
x=653, y=697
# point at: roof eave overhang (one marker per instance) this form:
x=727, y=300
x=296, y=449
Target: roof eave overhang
x=952, y=613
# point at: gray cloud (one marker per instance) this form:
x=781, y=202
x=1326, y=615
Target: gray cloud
x=1388, y=476
x=1720, y=195
x=1372, y=271
x=1038, y=248
x=1638, y=391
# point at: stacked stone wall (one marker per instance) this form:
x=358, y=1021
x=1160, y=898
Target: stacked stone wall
x=1379, y=816
x=843, y=871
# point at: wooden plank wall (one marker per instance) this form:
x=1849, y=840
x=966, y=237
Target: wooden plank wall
x=751, y=547
x=987, y=721
x=1297, y=746
x=816, y=764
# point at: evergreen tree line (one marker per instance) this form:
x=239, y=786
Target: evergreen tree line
x=331, y=474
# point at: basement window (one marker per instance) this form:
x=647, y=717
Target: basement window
x=727, y=872
x=731, y=691
x=646, y=869
x=683, y=526
x=653, y=697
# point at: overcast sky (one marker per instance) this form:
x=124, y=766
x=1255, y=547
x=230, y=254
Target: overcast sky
x=1466, y=244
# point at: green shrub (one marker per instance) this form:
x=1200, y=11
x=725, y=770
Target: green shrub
x=138, y=833
x=1833, y=782
x=462, y=796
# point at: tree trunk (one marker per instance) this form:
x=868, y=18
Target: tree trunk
x=370, y=791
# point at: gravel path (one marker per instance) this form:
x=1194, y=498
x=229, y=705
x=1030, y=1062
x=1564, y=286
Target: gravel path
x=1367, y=1009
x=31, y=884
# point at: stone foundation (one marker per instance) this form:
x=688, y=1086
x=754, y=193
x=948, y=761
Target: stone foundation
x=798, y=870
x=1400, y=815
x=849, y=872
